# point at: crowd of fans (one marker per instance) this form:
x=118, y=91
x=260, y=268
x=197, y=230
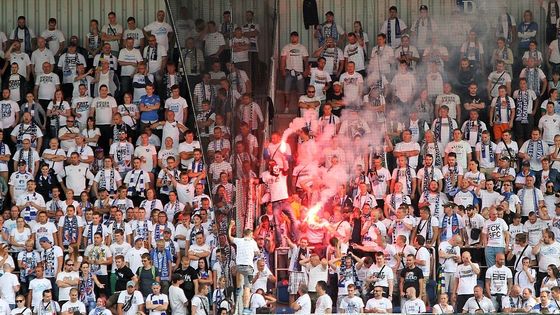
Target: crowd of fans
x=424, y=175
x=112, y=182
x=425, y=167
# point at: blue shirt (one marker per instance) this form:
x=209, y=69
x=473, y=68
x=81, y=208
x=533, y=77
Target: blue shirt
x=151, y=115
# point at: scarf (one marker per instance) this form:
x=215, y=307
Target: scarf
x=301, y=252
x=408, y=177
x=70, y=230
x=153, y=53
x=142, y=230
x=451, y=180
x=30, y=165
x=472, y=51
x=498, y=109
x=326, y=53
x=86, y=288
x=429, y=25
x=160, y=260
x=552, y=12
x=454, y=218
x=192, y=56
x=158, y=231
x=30, y=130
x=212, y=93
x=348, y=274
x=227, y=29
x=533, y=83
x=531, y=149
x=26, y=39
x=490, y=149
x=535, y=199
x=90, y=234
x=328, y=31
x=397, y=31
x=174, y=207
x=195, y=231
x=136, y=185
x=438, y=125
x=436, y=202
x=428, y=224
x=522, y=108
x=55, y=120
x=504, y=31
x=428, y=176
x=108, y=184
x=30, y=259
x=437, y=154
x=471, y=124
x=168, y=82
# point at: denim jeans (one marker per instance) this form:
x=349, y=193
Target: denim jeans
x=490, y=254
x=279, y=207
x=294, y=77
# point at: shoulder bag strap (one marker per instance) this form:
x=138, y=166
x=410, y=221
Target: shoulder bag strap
x=520, y=256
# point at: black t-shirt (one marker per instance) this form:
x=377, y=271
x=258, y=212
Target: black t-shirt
x=190, y=274
x=123, y=276
x=411, y=278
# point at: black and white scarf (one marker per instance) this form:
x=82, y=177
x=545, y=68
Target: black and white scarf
x=469, y=126
x=498, y=109
x=397, y=31
x=531, y=149
x=70, y=230
x=522, y=108
x=490, y=149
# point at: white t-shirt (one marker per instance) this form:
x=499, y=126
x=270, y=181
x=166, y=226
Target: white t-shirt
x=159, y=299
x=47, y=84
x=416, y=306
x=550, y=125
x=9, y=281
x=110, y=29
x=350, y=305
x=64, y=293
x=294, y=56
x=276, y=185
x=352, y=83
x=177, y=300
x=104, y=109
x=136, y=34
x=323, y=303
x=410, y=146
x=467, y=279
x=245, y=251
x=449, y=264
x=133, y=56
x=549, y=254
x=304, y=302
x=380, y=304
x=498, y=279
x=177, y=106
x=462, y=149
x=38, y=286
x=319, y=79
x=137, y=299
x=77, y=306
x=160, y=31
x=496, y=232
x=355, y=53
x=496, y=81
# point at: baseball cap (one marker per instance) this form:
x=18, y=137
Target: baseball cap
x=167, y=230
x=423, y=7
x=22, y=162
x=330, y=13
x=294, y=33
x=44, y=239
x=337, y=83
x=130, y=284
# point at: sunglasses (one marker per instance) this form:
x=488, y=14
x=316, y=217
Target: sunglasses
x=19, y=301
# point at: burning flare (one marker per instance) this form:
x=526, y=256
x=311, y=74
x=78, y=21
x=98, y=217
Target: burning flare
x=312, y=212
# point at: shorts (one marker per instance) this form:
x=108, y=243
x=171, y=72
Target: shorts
x=294, y=77
x=247, y=273
x=296, y=278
